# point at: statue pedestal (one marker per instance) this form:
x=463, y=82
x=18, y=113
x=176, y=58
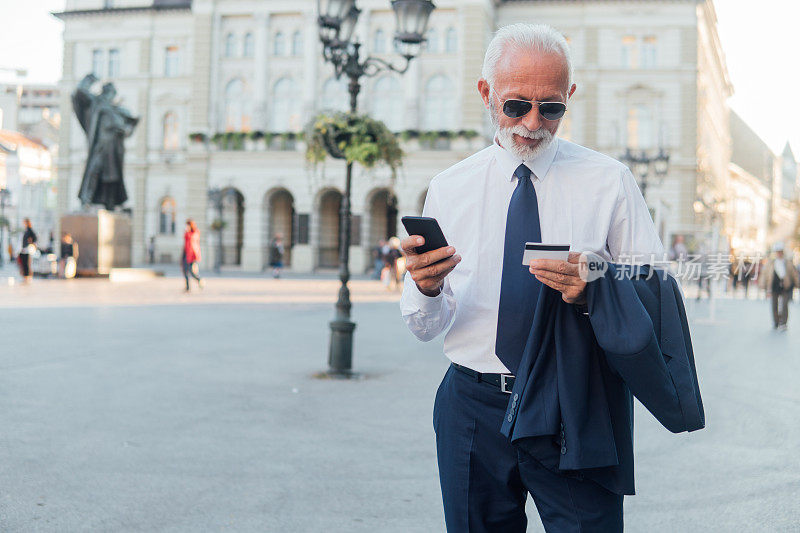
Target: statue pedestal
x=104, y=240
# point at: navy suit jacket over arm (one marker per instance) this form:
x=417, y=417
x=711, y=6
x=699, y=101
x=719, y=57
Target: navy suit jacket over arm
x=577, y=375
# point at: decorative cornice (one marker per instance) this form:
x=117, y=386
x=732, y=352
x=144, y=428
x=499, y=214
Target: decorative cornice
x=157, y=7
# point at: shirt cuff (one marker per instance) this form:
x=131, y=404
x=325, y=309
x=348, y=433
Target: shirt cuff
x=426, y=304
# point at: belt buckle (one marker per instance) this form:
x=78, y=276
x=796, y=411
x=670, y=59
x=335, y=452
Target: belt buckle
x=504, y=383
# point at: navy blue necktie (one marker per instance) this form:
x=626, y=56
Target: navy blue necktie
x=519, y=289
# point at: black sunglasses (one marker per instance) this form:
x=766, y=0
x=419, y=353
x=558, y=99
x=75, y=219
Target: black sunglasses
x=519, y=108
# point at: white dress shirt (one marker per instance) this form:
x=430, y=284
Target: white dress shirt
x=586, y=200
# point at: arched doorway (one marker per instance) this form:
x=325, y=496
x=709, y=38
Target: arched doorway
x=279, y=218
x=382, y=216
x=233, y=228
x=330, y=204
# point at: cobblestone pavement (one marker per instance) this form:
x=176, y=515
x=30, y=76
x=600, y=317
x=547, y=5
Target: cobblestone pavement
x=134, y=407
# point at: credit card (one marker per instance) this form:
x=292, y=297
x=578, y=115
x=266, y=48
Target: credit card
x=538, y=250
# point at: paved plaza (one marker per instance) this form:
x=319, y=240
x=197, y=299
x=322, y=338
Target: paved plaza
x=134, y=407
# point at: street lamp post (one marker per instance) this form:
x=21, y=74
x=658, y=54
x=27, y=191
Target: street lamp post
x=640, y=164
x=337, y=21
x=4, y=194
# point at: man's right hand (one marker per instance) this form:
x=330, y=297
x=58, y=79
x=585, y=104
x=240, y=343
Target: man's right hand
x=428, y=270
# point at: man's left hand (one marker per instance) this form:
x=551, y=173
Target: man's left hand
x=562, y=276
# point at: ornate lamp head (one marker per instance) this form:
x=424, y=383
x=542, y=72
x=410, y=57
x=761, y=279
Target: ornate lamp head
x=661, y=163
x=412, y=23
x=332, y=14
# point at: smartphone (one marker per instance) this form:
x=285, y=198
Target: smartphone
x=428, y=228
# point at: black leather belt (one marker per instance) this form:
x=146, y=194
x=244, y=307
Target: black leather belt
x=504, y=382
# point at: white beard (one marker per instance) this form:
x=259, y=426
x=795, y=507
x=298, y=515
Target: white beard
x=505, y=137
x=527, y=153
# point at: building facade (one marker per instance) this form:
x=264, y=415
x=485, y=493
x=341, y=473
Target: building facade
x=26, y=173
x=224, y=87
x=748, y=204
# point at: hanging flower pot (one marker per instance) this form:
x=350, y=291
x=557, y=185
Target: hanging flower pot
x=355, y=138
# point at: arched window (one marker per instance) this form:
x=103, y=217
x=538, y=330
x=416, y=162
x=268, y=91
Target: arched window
x=166, y=217
x=297, y=43
x=97, y=63
x=451, y=41
x=438, y=104
x=630, y=57
x=279, y=45
x=171, y=130
x=285, y=115
x=335, y=96
x=387, y=102
x=249, y=45
x=171, y=63
x=641, y=126
x=432, y=41
x=230, y=45
x=235, y=115
x=113, y=63
x=379, y=42
x=649, y=44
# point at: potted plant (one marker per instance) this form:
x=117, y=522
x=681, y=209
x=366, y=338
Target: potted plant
x=198, y=137
x=237, y=140
x=269, y=140
x=218, y=224
x=218, y=140
x=355, y=138
x=253, y=140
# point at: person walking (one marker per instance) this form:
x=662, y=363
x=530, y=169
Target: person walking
x=747, y=276
x=191, y=254
x=398, y=263
x=25, y=257
x=377, y=259
x=68, y=257
x=780, y=279
x=276, y=254
x=528, y=186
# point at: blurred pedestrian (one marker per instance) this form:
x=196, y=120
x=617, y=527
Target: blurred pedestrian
x=390, y=261
x=276, y=254
x=68, y=257
x=678, y=252
x=703, y=277
x=377, y=259
x=780, y=279
x=733, y=271
x=399, y=261
x=151, y=250
x=27, y=251
x=191, y=254
x=746, y=274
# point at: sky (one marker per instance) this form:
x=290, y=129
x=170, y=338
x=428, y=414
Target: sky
x=760, y=40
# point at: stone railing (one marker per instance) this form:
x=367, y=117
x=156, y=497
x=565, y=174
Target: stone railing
x=258, y=141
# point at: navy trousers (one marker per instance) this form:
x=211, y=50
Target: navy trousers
x=485, y=480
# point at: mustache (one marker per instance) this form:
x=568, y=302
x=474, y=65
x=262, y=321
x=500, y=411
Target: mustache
x=522, y=131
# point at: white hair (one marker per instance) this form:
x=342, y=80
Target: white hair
x=535, y=37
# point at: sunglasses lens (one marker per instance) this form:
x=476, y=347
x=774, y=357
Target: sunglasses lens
x=516, y=108
x=552, y=110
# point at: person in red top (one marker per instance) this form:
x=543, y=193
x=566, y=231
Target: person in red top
x=191, y=253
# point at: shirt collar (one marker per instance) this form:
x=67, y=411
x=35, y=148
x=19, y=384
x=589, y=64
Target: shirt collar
x=539, y=166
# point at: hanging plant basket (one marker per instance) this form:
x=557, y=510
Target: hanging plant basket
x=354, y=138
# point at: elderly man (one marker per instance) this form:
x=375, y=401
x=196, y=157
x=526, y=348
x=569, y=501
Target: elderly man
x=529, y=186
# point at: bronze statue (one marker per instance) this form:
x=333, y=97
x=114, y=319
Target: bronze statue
x=106, y=125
